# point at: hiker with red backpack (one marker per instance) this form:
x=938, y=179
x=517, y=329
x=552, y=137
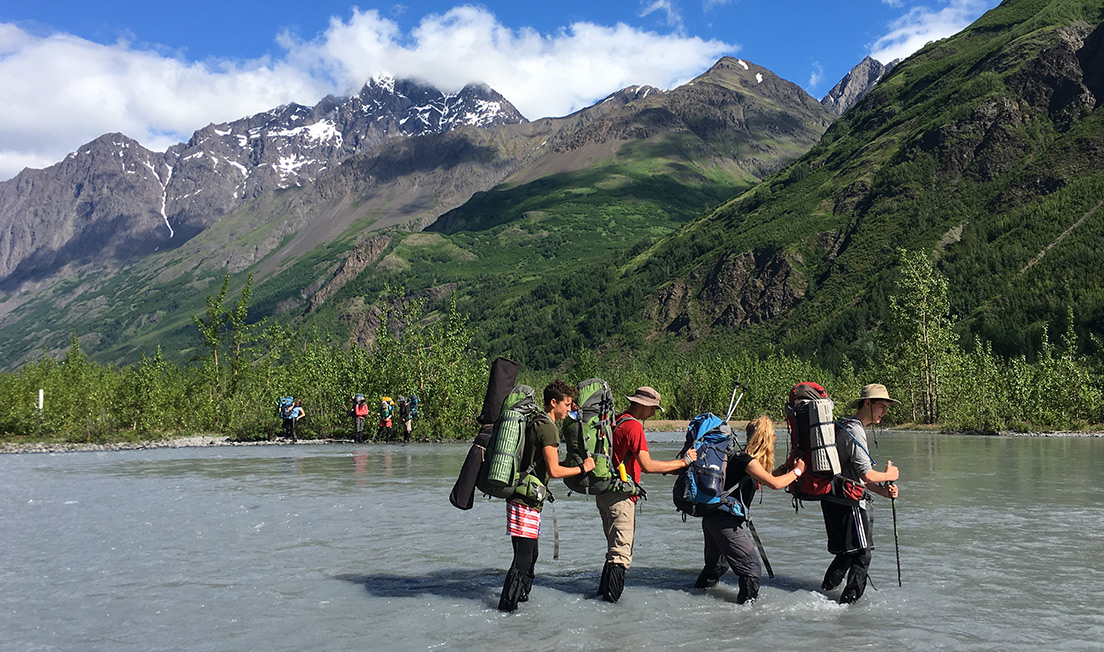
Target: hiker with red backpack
x=359, y=412
x=846, y=521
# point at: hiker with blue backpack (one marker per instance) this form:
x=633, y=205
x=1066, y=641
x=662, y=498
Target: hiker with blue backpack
x=618, y=510
x=727, y=543
x=846, y=521
x=291, y=410
x=541, y=458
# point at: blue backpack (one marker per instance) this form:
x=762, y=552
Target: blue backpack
x=286, y=404
x=699, y=488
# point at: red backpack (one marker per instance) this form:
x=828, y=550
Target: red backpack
x=813, y=438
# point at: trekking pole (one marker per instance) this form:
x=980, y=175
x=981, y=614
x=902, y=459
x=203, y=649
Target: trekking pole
x=762, y=551
x=556, y=535
x=735, y=401
x=896, y=543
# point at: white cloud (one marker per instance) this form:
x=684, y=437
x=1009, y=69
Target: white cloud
x=923, y=24
x=670, y=11
x=816, y=76
x=61, y=91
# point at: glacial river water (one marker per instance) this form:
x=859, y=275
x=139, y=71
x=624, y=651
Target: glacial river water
x=343, y=547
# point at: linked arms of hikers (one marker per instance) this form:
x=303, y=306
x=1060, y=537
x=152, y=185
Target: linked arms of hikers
x=780, y=481
x=648, y=465
x=552, y=459
x=874, y=480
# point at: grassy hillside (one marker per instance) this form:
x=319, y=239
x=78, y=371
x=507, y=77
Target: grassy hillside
x=982, y=149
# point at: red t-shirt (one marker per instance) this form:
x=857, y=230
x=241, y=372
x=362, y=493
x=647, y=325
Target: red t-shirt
x=628, y=441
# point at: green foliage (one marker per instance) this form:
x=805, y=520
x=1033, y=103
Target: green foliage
x=430, y=356
x=919, y=335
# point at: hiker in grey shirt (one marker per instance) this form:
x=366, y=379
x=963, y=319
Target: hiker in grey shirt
x=845, y=518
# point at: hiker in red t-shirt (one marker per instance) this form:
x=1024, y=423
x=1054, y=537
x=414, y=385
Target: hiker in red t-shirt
x=618, y=510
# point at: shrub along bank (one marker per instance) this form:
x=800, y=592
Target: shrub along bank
x=233, y=389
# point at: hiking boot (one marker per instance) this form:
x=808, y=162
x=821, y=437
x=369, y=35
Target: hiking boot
x=511, y=591
x=856, y=585
x=749, y=589
x=526, y=587
x=615, y=583
x=705, y=579
x=603, y=584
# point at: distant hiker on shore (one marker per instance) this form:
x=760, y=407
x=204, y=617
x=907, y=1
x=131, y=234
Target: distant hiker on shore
x=404, y=417
x=727, y=543
x=386, y=410
x=359, y=413
x=541, y=454
x=618, y=510
x=295, y=414
x=846, y=521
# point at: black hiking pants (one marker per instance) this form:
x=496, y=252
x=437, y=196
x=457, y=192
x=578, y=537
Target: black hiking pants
x=848, y=528
x=519, y=579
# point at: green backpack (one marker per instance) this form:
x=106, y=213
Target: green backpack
x=501, y=473
x=589, y=433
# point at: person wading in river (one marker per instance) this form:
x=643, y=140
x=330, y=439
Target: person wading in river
x=618, y=510
x=541, y=452
x=846, y=521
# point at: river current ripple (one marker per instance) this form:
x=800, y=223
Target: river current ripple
x=346, y=547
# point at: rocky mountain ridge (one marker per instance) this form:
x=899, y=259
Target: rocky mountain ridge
x=268, y=193
x=856, y=84
x=114, y=199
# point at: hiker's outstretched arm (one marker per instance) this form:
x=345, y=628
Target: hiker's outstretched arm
x=756, y=470
x=648, y=465
x=552, y=459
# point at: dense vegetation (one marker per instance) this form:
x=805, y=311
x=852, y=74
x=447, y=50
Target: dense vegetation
x=235, y=387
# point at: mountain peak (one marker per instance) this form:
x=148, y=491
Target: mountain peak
x=855, y=85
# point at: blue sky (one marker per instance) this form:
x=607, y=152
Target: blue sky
x=72, y=71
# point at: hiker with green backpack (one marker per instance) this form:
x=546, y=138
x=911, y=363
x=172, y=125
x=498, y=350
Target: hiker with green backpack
x=618, y=510
x=540, y=458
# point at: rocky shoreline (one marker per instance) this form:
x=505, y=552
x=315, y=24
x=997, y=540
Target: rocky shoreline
x=200, y=441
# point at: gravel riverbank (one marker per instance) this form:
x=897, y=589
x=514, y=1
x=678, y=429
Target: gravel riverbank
x=178, y=442
x=652, y=425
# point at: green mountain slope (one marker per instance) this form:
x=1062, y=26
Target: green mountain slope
x=982, y=148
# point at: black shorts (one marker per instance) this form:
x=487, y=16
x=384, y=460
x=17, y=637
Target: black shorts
x=848, y=527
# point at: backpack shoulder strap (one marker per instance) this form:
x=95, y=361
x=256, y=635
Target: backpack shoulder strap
x=617, y=424
x=839, y=424
x=735, y=490
x=623, y=418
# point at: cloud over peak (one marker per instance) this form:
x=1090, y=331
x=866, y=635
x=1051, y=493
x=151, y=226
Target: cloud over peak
x=62, y=91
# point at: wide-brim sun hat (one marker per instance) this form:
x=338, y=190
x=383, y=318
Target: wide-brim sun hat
x=647, y=396
x=873, y=392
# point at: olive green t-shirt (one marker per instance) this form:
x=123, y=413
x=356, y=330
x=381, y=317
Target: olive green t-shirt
x=541, y=432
